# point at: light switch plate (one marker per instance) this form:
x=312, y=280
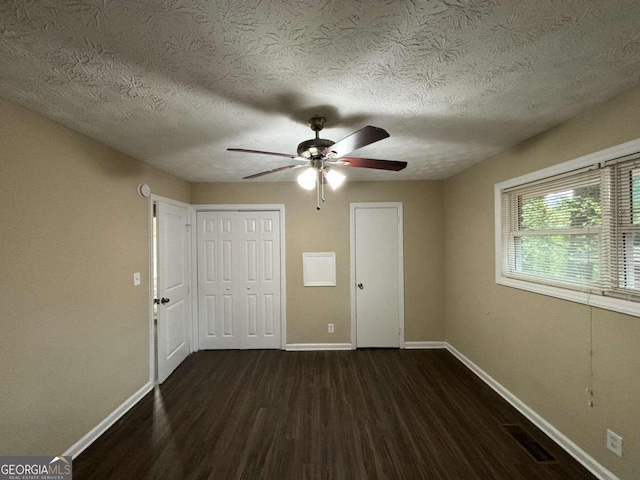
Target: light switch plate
x=614, y=442
x=136, y=279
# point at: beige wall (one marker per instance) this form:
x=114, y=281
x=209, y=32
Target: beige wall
x=74, y=341
x=73, y=230
x=537, y=346
x=307, y=230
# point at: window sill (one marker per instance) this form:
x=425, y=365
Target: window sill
x=599, y=301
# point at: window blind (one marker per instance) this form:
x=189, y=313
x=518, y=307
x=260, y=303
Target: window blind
x=580, y=230
x=553, y=232
x=624, y=234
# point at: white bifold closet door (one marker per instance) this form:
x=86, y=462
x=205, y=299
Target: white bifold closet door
x=239, y=279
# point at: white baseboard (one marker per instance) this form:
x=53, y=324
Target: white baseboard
x=78, y=447
x=424, y=345
x=301, y=347
x=552, y=432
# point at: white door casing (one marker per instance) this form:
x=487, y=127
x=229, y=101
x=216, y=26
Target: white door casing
x=174, y=311
x=239, y=279
x=377, y=275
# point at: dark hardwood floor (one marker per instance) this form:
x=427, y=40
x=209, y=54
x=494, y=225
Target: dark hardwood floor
x=364, y=414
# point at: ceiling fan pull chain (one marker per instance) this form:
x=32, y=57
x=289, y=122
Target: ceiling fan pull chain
x=318, y=192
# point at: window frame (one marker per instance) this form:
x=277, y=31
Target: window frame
x=597, y=159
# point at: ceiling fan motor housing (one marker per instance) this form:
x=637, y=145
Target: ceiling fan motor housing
x=313, y=148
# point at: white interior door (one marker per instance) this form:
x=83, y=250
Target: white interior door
x=259, y=263
x=174, y=309
x=239, y=280
x=377, y=263
x=217, y=285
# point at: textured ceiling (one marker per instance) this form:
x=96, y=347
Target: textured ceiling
x=176, y=82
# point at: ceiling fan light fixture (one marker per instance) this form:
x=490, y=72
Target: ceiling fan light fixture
x=307, y=179
x=334, y=178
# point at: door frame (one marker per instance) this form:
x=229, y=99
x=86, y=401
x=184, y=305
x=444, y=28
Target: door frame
x=361, y=205
x=283, y=261
x=152, y=341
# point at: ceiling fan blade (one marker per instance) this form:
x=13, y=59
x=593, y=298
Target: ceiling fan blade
x=287, y=167
x=286, y=155
x=369, y=163
x=363, y=137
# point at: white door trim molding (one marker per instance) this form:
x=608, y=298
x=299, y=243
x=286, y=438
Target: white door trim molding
x=204, y=207
x=152, y=343
x=352, y=235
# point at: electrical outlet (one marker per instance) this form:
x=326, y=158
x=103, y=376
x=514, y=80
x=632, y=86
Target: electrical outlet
x=330, y=328
x=614, y=443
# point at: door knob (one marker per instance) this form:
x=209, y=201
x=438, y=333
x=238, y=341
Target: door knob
x=228, y=288
x=164, y=300
x=360, y=286
x=248, y=288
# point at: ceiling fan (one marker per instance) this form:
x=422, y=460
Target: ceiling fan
x=320, y=156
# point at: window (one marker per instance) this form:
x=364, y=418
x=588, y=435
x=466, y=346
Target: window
x=573, y=230
x=627, y=253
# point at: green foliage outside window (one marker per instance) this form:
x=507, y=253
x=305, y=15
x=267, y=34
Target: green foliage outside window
x=566, y=256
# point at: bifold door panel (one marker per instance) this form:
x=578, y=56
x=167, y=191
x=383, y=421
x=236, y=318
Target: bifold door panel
x=239, y=280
